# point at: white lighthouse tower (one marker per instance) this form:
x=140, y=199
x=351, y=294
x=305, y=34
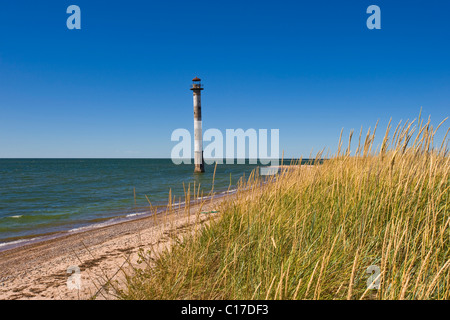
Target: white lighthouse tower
x=197, y=88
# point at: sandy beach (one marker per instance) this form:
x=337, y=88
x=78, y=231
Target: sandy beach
x=40, y=270
x=103, y=255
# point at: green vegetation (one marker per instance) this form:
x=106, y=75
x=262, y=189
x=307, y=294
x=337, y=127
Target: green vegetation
x=312, y=232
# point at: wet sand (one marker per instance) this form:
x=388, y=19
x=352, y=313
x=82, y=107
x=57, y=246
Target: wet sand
x=39, y=270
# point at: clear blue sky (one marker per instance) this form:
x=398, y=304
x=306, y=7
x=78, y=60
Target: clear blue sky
x=119, y=86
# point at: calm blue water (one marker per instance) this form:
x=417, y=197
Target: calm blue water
x=43, y=196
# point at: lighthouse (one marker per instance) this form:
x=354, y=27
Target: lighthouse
x=197, y=88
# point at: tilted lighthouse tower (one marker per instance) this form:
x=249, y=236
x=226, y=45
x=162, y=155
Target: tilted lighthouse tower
x=197, y=88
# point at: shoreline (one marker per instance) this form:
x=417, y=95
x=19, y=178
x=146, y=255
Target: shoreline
x=32, y=239
x=39, y=270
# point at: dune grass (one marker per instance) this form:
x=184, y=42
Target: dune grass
x=313, y=231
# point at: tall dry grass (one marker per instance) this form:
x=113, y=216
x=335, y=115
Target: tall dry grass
x=313, y=231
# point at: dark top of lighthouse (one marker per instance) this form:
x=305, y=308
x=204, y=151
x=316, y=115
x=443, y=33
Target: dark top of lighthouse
x=196, y=85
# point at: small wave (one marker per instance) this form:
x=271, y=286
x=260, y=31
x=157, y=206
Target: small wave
x=108, y=222
x=16, y=217
x=135, y=214
x=12, y=243
x=92, y=226
x=79, y=229
x=229, y=191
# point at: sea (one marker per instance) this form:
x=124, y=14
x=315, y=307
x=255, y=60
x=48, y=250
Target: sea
x=44, y=198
